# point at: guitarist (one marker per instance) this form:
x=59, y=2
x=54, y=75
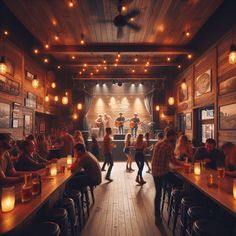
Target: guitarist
x=120, y=123
x=134, y=122
x=100, y=124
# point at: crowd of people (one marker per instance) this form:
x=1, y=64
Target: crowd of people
x=33, y=153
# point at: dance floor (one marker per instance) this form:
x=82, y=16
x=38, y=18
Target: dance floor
x=123, y=207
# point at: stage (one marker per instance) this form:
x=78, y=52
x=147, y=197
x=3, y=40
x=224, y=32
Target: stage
x=117, y=152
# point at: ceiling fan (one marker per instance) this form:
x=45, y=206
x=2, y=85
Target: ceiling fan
x=122, y=20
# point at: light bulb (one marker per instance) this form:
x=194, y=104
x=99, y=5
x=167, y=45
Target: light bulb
x=53, y=85
x=232, y=54
x=56, y=98
x=65, y=100
x=47, y=98
x=171, y=101
x=79, y=106
x=75, y=116
x=157, y=108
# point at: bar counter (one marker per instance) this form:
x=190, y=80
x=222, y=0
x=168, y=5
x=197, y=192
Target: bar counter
x=52, y=187
x=221, y=192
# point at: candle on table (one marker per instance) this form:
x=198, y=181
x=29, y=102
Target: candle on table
x=197, y=168
x=53, y=170
x=69, y=160
x=8, y=199
x=234, y=188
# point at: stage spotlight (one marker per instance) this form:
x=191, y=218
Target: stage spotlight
x=119, y=83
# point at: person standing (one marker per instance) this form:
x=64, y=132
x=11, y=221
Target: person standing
x=95, y=147
x=148, y=151
x=107, y=121
x=120, y=123
x=66, y=143
x=107, y=152
x=134, y=122
x=127, y=151
x=100, y=124
x=163, y=155
x=140, y=147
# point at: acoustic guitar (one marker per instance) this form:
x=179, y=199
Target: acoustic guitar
x=133, y=124
x=120, y=123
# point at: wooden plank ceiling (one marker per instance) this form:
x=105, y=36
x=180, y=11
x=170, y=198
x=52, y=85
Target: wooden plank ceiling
x=163, y=26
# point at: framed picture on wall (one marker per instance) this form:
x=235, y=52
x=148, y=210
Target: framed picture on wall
x=188, y=120
x=15, y=123
x=183, y=93
x=227, y=86
x=27, y=124
x=9, y=86
x=5, y=112
x=203, y=83
x=228, y=117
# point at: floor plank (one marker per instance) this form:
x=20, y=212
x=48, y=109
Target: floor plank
x=123, y=208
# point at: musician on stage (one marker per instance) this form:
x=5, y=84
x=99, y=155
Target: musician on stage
x=107, y=120
x=120, y=123
x=100, y=124
x=134, y=122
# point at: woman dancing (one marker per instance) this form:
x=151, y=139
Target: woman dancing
x=127, y=151
x=140, y=147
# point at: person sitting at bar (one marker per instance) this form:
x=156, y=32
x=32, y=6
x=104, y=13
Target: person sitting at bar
x=78, y=137
x=8, y=174
x=183, y=148
x=42, y=147
x=212, y=156
x=91, y=176
x=66, y=143
x=229, y=150
x=28, y=160
x=163, y=156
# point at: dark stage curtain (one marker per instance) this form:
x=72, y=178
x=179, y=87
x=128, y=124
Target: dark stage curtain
x=87, y=103
x=148, y=101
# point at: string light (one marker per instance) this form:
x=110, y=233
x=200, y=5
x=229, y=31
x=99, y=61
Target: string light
x=179, y=66
x=58, y=67
x=97, y=70
x=131, y=19
x=46, y=46
x=45, y=60
x=82, y=42
x=47, y=97
x=133, y=70
x=6, y=33
x=117, y=59
x=136, y=59
x=168, y=59
x=157, y=108
x=73, y=57
x=80, y=72
x=115, y=64
x=104, y=62
x=85, y=65
x=118, y=55
x=145, y=70
x=187, y=34
x=83, y=70
x=36, y=51
x=75, y=116
x=56, y=37
x=147, y=63
x=190, y=56
x=91, y=73
x=171, y=101
x=65, y=99
x=79, y=106
x=123, y=8
x=105, y=68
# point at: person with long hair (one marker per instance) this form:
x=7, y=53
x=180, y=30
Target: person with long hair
x=140, y=147
x=127, y=151
x=148, y=151
x=183, y=148
x=78, y=137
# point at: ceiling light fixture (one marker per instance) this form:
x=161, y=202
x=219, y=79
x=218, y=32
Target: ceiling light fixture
x=58, y=67
x=6, y=33
x=190, y=56
x=168, y=59
x=45, y=60
x=73, y=57
x=46, y=46
x=36, y=51
x=70, y=3
x=56, y=37
x=179, y=66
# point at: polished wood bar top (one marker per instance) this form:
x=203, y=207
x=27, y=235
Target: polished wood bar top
x=221, y=191
x=22, y=211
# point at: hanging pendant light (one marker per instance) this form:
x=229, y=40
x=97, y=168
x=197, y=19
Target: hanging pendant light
x=3, y=65
x=47, y=97
x=79, y=106
x=56, y=98
x=65, y=99
x=53, y=85
x=35, y=82
x=171, y=101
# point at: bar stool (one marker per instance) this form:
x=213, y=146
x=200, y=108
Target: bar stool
x=69, y=205
x=186, y=203
x=59, y=216
x=47, y=229
x=210, y=228
x=77, y=197
x=85, y=200
x=91, y=188
x=166, y=189
x=196, y=213
x=175, y=201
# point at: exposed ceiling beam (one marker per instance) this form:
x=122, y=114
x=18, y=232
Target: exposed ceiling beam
x=123, y=64
x=110, y=48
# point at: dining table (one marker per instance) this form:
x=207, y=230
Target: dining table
x=208, y=182
x=23, y=214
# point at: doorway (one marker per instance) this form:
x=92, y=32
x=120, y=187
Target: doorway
x=205, y=123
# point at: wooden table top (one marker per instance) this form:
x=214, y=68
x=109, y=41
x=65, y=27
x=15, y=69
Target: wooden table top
x=22, y=211
x=221, y=192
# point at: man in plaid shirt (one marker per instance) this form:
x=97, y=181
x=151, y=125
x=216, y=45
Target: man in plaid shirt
x=163, y=155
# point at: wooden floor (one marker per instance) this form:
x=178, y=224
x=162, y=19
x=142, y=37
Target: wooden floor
x=124, y=208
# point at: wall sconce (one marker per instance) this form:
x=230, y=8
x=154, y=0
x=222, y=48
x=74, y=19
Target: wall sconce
x=35, y=82
x=183, y=85
x=157, y=108
x=3, y=65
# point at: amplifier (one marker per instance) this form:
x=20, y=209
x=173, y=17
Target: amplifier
x=119, y=137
